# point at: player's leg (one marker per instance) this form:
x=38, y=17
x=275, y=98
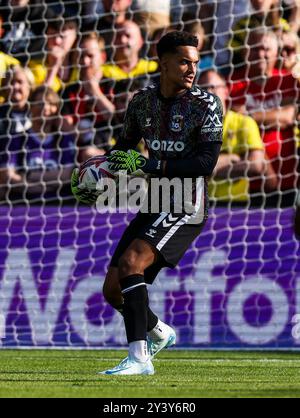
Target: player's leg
x=113, y=295
x=171, y=235
x=132, y=265
x=160, y=335
x=139, y=258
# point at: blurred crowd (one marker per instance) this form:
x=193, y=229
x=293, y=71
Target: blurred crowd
x=69, y=68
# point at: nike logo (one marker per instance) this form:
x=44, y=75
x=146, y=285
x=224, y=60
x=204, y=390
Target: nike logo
x=116, y=371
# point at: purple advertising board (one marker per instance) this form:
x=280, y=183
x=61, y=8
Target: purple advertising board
x=237, y=287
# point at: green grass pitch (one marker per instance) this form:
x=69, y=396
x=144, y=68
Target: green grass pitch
x=179, y=374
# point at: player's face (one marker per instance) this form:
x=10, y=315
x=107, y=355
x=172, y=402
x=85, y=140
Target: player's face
x=180, y=69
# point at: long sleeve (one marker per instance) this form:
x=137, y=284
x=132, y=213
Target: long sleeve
x=209, y=140
x=201, y=166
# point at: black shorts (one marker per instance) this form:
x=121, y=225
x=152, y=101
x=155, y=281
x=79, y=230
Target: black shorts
x=170, y=234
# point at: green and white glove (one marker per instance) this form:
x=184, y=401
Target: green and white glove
x=82, y=195
x=133, y=163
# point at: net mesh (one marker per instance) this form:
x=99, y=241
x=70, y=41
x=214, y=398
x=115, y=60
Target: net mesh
x=238, y=285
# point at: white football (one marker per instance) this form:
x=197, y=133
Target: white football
x=93, y=171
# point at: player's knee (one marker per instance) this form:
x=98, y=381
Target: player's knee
x=130, y=264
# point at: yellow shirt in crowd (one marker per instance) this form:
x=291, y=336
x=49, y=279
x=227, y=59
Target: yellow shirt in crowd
x=241, y=135
x=6, y=61
x=39, y=71
x=115, y=72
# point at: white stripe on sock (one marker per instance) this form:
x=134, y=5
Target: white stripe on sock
x=133, y=287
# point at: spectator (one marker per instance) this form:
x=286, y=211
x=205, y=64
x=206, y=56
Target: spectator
x=114, y=13
x=59, y=67
x=290, y=50
x=262, y=14
x=153, y=14
x=270, y=96
x=128, y=64
x=242, y=155
x=14, y=112
x=38, y=165
x=86, y=101
x=21, y=36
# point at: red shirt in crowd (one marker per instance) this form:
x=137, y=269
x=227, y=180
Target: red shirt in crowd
x=280, y=144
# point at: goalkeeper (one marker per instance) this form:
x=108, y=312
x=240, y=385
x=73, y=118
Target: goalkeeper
x=182, y=127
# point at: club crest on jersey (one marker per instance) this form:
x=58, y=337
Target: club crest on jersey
x=177, y=123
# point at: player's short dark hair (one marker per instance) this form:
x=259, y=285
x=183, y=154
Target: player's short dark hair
x=169, y=43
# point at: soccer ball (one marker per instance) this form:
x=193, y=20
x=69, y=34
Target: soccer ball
x=93, y=171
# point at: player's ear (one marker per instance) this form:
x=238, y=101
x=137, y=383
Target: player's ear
x=164, y=63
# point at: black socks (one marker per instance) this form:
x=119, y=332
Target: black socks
x=152, y=318
x=135, y=308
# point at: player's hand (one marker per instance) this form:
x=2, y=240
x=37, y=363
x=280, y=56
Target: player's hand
x=82, y=195
x=133, y=163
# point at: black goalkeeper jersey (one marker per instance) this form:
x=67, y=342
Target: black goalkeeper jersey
x=175, y=129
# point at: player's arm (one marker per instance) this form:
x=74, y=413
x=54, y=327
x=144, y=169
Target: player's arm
x=209, y=145
x=210, y=137
x=201, y=166
x=136, y=164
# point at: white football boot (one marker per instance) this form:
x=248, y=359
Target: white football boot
x=155, y=346
x=130, y=366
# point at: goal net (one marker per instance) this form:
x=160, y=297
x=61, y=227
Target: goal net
x=238, y=286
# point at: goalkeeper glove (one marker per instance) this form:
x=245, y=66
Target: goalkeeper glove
x=82, y=195
x=133, y=163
